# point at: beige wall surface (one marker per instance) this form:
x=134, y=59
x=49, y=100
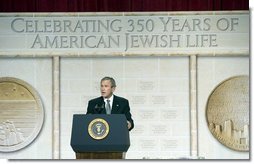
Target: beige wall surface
x=120, y=33
x=38, y=73
x=211, y=72
x=167, y=87
x=157, y=89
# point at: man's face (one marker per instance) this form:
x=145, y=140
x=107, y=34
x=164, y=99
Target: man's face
x=106, y=89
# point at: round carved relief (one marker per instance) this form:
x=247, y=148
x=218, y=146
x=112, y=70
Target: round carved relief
x=227, y=113
x=21, y=114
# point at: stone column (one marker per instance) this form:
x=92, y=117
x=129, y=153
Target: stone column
x=56, y=108
x=193, y=107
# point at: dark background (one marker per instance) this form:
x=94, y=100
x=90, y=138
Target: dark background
x=120, y=5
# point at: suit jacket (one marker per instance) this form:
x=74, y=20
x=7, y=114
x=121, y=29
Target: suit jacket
x=120, y=106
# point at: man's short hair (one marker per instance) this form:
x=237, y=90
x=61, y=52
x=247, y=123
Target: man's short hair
x=112, y=81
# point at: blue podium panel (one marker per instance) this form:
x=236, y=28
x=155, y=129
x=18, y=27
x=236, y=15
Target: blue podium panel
x=113, y=130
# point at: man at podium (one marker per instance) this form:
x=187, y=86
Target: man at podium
x=109, y=103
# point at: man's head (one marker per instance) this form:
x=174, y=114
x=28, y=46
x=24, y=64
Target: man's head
x=108, y=86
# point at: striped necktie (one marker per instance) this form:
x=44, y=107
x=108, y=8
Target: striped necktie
x=108, y=108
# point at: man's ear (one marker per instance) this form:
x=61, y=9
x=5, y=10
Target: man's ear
x=113, y=89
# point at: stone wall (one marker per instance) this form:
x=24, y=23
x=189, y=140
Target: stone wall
x=167, y=86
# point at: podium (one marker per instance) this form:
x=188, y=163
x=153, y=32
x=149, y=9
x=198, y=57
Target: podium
x=100, y=136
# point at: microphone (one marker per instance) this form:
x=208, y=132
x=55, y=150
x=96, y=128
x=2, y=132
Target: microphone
x=98, y=108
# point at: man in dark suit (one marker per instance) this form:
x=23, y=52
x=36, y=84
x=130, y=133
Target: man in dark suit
x=109, y=103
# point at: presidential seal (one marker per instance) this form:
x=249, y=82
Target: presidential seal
x=21, y=114
x=227, y=113
x=98, y=128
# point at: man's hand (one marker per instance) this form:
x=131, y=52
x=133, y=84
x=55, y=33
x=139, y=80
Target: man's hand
x=129, y=124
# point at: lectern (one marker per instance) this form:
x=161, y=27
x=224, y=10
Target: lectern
x=100, y=136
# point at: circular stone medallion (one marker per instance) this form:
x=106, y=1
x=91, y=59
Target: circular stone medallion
x=21, y=114
x=227, y=113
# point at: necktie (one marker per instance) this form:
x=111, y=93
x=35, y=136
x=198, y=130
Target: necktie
x=108, y=108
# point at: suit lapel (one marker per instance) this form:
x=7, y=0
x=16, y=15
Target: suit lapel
x=115, y=105
x=101, y=101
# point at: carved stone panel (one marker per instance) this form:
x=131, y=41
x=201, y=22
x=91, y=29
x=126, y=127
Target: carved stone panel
x=227, y=113
x=21, y=114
